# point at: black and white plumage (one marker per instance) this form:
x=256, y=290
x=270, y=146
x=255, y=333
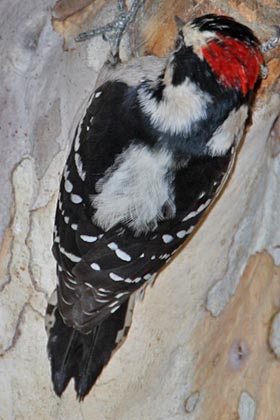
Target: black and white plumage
x=153, y=150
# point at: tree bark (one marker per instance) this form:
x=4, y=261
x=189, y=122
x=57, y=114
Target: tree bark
x=205, y=342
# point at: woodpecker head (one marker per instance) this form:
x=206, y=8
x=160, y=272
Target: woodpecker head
x=229, y=49
x=212, y=72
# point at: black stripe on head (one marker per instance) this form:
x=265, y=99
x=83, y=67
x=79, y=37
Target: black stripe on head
x=187, y=64
x=226, y=26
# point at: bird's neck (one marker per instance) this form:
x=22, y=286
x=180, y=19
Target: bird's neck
x=173, y=109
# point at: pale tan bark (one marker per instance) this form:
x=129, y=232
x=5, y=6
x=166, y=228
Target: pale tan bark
x=205, y=342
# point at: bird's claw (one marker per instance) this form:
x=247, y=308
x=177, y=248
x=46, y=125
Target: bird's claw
x=272, y=42
x=113, y=31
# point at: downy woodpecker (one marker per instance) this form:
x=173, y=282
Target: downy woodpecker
x=154, y=148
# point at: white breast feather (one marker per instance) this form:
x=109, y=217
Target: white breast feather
x=135, y=190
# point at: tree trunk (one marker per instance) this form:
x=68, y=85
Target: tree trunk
x=205, y=342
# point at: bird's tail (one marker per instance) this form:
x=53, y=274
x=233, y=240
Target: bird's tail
x=83, y=356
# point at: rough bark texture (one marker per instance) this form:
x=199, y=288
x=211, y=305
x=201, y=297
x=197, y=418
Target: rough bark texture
x=215, y=354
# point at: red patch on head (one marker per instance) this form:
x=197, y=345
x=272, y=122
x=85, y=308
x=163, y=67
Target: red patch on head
x=236, y=64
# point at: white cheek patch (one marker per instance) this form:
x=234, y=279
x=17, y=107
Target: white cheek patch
x=135, y=190
x=196, y=39
x=229, y=133
x=178, y=109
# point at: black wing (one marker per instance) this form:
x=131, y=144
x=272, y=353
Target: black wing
x=98, y=270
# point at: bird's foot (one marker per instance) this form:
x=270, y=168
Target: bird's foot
x=113, y=31
x=272, y=42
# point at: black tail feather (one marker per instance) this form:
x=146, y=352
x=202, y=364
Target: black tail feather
x=83, y=356
x=63, y=350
